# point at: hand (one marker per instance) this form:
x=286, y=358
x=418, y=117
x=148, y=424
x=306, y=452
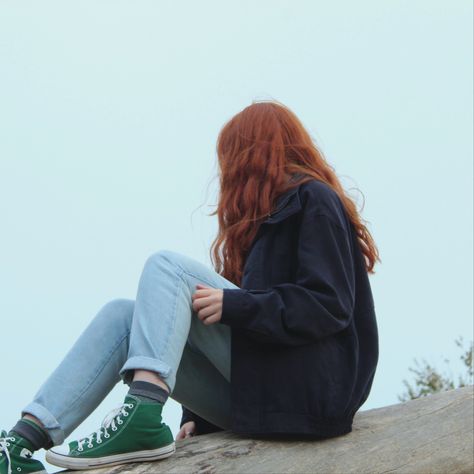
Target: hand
x=207, y=302
x=187, y=430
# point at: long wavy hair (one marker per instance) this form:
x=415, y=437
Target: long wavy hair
x=258, y=150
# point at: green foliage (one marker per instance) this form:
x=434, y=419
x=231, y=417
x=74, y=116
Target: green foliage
x=429, y=380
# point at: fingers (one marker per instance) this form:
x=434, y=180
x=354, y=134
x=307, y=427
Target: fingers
x=207, y=303
x=186, y=431
x=202, y=292
x=214, y=318
x=205, y=307
x=204, y=313
x=209, y=315
x=183, y=435
x=202, y=302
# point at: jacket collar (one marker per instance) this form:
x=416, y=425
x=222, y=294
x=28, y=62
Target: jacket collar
x=287, y=204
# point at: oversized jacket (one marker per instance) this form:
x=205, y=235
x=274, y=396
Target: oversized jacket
x=304, y=343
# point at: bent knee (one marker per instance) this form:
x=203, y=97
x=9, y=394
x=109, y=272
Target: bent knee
x=120, y=310
x=164, y=257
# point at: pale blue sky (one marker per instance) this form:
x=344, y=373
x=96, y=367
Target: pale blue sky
x=109, y=113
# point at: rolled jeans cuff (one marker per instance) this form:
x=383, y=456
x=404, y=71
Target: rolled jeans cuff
x=51, y=424
x=147, y=363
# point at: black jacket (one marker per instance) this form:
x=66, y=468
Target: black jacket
x=304, y=331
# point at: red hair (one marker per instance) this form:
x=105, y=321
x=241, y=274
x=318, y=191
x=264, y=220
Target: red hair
x=257, y=150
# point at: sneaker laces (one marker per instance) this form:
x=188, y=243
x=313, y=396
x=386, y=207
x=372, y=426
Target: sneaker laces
x=109, y=421
x=4, y=448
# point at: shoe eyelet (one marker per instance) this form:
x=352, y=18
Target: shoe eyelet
x=13, y=439
x=8, y=444
x=99, y=441
x=114, y=429
x=125, y=413
x=131, y=405
x=120, y=422
x=107, y=435
x=90, y=445
x=80, y=449
x=18, y=469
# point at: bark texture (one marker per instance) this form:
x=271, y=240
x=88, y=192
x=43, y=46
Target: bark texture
x=432, y=434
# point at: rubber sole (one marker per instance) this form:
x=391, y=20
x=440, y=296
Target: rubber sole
x=112, y=460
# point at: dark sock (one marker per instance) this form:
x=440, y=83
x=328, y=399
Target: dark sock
x=148, y=391
x=34, y=433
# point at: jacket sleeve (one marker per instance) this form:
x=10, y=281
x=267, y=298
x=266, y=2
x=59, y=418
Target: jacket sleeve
x=202, y=426
x=319, y=303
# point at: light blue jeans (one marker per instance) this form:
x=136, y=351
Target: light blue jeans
x=158, y=331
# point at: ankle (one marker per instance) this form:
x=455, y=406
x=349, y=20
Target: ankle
x=33, y=433
x=33, y=418
x=140, y=375
x=149, y=391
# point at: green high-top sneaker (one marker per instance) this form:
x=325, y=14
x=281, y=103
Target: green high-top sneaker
x=132, y=432
x=16, y=455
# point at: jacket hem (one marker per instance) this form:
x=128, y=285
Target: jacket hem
x=294, y=424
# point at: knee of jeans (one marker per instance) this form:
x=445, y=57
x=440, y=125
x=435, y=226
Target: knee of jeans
x=119, y=311
x=163, y=257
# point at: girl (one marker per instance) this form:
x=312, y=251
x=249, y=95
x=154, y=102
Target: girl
x=279, y=339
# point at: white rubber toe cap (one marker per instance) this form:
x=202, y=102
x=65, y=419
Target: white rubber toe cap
x=63, y=449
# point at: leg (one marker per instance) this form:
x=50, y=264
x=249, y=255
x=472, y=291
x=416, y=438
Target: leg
x=196, y=365
x=166, y=338
x=164, y=318
x=201, y=388
x=87, y=374
x=148, y=334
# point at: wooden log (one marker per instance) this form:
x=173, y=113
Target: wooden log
x=432, y=434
